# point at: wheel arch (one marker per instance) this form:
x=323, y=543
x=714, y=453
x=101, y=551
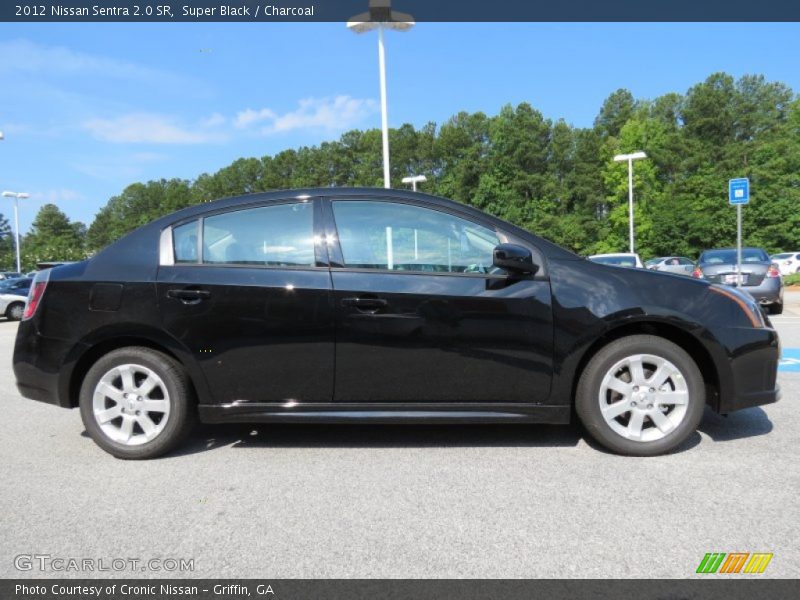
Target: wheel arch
x=93, y=350
x=677, y=335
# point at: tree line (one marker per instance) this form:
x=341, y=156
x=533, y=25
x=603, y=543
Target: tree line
x=546, y=176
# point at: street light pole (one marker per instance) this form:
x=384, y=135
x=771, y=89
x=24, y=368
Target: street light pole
x=387, y=181
x=414, y=180
x=630, y=158
x=16, y=196
x=381, y=16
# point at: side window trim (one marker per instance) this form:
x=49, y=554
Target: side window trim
x=166, y=251
x=167, y=256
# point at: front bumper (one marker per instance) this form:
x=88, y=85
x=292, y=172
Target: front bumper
x=750, y=377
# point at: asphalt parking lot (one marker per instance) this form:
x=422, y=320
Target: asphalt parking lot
x=403, y=501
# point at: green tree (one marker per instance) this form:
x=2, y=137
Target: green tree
x=555, y=179
x=53, y=237
x=7, y=255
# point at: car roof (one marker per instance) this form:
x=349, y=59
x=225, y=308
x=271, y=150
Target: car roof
x=359, y=194
x=743, y=248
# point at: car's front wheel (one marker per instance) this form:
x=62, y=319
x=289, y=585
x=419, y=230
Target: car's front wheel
x=640, y=395
x=137, y=403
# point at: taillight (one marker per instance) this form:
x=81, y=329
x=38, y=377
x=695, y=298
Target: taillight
x=35, y=295
x=697, y=273
x=773, y=271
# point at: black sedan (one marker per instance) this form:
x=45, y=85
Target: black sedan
x=367, y=305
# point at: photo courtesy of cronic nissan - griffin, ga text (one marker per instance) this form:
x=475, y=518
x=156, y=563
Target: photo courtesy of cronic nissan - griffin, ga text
x=380, y=306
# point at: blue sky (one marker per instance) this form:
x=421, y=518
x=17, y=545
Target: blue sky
x=90, y=108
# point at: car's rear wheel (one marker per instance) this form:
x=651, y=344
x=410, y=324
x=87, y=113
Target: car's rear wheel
x=640, y=395
x=137, y=403
x=776, y=308
x=15, y=311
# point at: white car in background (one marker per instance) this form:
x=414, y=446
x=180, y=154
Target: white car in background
x=671, y=264
x=13, y=296
x=788, y=262
x=620, y=259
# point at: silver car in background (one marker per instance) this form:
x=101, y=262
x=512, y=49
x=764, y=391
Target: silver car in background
x=671, y=264
x=759, y=277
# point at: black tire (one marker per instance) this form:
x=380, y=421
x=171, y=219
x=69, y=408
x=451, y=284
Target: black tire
x=182, y=404
x=587, y=402
x=776, y=309
x=15, y=311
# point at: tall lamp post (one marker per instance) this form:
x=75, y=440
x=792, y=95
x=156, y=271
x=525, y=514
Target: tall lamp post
x=414, y=180
x=17, y=197
x=380, y=16
x=630, y=158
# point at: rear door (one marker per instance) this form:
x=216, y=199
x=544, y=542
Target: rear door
x=421, y=314
x=249, y=294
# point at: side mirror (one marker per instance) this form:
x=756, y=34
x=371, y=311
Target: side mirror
x=515, y=259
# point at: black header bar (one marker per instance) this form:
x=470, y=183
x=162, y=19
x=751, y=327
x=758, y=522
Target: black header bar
x=420, y=10
x=735, y=587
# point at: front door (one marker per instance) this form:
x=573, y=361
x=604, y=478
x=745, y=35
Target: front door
x=423, y=316
x=249, y=298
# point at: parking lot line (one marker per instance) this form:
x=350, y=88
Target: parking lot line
x=790, y=360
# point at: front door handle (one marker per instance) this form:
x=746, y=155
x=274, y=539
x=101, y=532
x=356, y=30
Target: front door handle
x=365, y=304
x=189, y=296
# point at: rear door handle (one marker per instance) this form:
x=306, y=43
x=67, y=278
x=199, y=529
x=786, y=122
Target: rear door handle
x=365, y=304
x=188, y=296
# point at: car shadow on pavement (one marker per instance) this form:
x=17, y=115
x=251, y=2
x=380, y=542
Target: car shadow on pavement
x=296, y=435
x=747, y=423
x=743, y=424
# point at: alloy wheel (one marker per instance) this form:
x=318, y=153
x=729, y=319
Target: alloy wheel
x=131, y=404
x=643, y=397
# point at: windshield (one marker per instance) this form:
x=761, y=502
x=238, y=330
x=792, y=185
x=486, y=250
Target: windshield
x=781, y=256
x=720, y=257
x=617, y=261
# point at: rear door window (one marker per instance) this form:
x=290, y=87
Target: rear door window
x=275, y=236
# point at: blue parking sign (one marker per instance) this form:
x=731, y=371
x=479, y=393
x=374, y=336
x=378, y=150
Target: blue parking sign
x=739, y=191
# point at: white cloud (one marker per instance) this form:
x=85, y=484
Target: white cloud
x=249, y=116
x=148, y=128
x=147, y=157
x=54, y=196
x=214, y=120
x=24, y=55
x=329, y=114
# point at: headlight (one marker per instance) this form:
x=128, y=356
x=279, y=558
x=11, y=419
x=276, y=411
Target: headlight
x=745, y=302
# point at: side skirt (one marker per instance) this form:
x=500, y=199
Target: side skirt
x=384, y=413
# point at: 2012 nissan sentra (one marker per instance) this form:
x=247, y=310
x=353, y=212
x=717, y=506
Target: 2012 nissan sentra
x=373, y=305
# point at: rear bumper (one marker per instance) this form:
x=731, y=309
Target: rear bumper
x=770, y=291
x=38, y=366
